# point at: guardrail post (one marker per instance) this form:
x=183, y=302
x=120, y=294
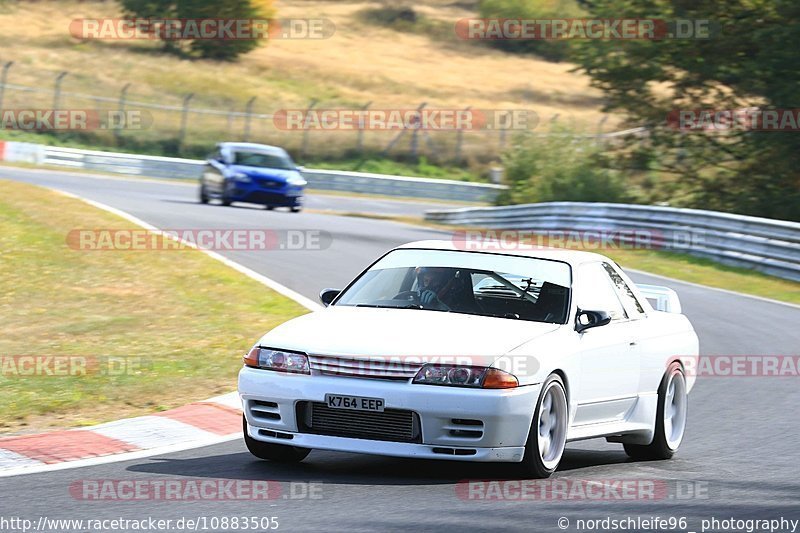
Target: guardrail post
x=57, y=89
x=248, y=110
x=184, y=118
x=3, y=82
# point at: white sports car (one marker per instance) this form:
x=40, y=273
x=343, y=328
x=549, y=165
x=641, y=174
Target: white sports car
x=439, y=352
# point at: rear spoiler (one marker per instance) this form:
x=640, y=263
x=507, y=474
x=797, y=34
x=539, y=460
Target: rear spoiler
x=662, y=298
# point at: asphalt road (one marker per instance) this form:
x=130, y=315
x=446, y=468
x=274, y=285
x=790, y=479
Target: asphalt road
x=740, y=452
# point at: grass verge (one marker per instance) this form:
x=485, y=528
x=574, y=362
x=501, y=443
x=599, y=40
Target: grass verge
x=177, y=321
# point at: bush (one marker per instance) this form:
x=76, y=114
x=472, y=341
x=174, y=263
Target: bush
x=532, y=9
x=219, y=49
x=559, y=168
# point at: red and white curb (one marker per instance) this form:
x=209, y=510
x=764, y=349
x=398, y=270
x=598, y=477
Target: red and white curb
x=197, y=424
x=194, y=425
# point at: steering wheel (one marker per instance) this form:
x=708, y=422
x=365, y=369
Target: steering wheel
x=407, y=295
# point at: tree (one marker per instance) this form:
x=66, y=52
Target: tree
x=749, y=59
x=222, y=49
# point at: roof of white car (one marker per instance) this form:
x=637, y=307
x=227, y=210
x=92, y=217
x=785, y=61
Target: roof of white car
x=573, y=257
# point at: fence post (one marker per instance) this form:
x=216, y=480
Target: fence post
x=501, y=129
x=184, y=118
x=57, y=90
x=360, y=142
x=123, y=95
x=248, y=110
x=304, y=148
x=415, y=132
x=460, y=139
x=3, y=82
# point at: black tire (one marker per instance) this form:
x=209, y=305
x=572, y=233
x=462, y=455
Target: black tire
x=273, y=452
x=296, y=209
x=203, y=194
x=659, y=449
x=532, y=463
x=226, y=201
x=269, y=207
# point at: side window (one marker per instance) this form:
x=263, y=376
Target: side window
x=595, y=292
x=624, y=292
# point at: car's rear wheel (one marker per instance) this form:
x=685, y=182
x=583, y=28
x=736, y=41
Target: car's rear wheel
x=296, y=209
x=273, y=452
x=671, y=415
x=269, y=207
x=203, y=194
x=548, y=434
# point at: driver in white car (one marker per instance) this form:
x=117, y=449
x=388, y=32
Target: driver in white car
x=432, y=285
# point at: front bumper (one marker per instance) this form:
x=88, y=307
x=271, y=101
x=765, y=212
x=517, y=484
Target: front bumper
x=274, y=194
x=505, y=415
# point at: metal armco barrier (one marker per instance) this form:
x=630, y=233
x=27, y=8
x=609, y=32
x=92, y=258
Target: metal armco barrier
x=762, y=244
x=332, y=180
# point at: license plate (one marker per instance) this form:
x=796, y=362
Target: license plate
x=356, y=403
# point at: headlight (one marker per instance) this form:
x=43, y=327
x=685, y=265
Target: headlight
x=466, y=376
x=240, y=176
x=295, y=363
x=296, y=180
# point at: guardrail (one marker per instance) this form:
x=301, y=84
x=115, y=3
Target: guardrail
x=762, y=244
x=169, y=167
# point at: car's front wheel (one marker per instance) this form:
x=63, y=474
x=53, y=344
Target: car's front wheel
x=273, y=452
x=671, y=414
x=203, y=194
x=548, y=435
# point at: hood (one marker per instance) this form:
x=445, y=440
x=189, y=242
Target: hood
x=369, y=332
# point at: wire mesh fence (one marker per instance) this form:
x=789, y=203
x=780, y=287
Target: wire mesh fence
x=190, y=124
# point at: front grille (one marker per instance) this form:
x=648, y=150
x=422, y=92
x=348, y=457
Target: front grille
x=363, y=367
x=269, y=184
x=395, y=425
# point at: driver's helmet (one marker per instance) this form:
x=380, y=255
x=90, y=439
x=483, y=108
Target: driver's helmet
x=430, y=278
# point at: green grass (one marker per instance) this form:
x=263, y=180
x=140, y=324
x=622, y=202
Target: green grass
x=185, y=317
x=423, y=168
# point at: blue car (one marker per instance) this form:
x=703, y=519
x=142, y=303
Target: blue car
x=252, y=173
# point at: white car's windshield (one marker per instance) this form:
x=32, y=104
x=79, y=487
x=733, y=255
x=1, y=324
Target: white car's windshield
x=513, y=287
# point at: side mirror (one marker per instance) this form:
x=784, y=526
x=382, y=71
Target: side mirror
x=326, y=296
x=590, y=319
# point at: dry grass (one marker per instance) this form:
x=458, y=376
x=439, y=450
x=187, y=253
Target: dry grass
x=186, y=327
x=360, y=63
